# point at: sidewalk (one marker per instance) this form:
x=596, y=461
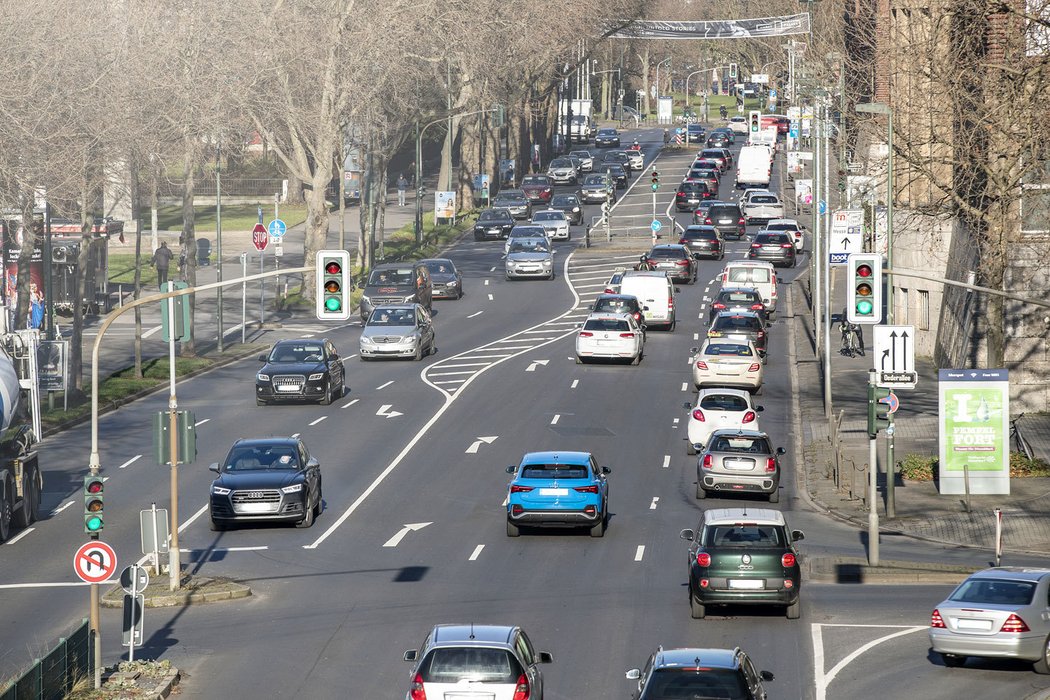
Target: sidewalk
x=920, y=511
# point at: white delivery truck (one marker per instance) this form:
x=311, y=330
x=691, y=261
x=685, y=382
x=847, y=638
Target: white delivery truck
x=753, y=167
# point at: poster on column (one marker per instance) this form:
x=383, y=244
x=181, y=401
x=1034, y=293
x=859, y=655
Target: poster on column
x=974, y=418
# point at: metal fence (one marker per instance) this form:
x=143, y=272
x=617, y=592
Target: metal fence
x=53, y=676
x=231, y=187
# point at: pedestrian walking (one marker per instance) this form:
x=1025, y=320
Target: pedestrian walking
x=402, y=185
x=162, y=261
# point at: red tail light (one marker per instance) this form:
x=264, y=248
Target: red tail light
x=755, y=366
x=756, y=307
x=637, y=316
x=771, y=465
x=698, y=415
x=749, y=417
x=586, y=489
x=683, y=241
x=1014, y=624
x=787, y=245
x=788, y=560
x=521, y=689
x=741, y=221
x=520, y=489
x=682, y=263
x=718, y=305
x=417, y=692
x=627, y=335
x=670, y=303
x=707, y=220
x=608, y=290
x=936, y=621
x=586, y=334
x=761, y=334
x=703, y=559
x=700, y=364
x=756, y=245
x=709, y=462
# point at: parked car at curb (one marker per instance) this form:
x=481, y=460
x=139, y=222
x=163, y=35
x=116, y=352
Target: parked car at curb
x=558, y=489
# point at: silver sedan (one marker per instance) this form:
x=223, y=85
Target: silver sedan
x=730, y=364
x=398, y=330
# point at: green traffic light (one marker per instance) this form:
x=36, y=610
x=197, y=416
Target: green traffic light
x=93, y=523
x=655, y=187
x=864, y=307
x=332, y=304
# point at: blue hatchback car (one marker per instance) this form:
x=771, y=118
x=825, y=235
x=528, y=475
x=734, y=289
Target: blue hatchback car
x=558, y=489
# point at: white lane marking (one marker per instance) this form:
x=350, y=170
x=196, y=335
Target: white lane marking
x=822, y=680
x=318, y=420
x=60, y=584
x=295, y=435
x=590, y=286
x=400, y=534
x=488, y=357
x=696, y=336
x=476, y=313
x=536, y=363
x=506, y=500
x=465, y=364
x=384, y=386
x=652, y=506
x=20, y=535
x=492, y=269
x=476, y=553
x=351, y=403
x=450, y=374
x=61, y=508
x=151, y=331
x=128, y=463
x=554, y=420
x=307, y=335
x=575, y=383
x=667, y=461
x=675, y=423
x=256, y=548
x=385, y=411
x=708, y=288
x=639, y=553
x=488, y=440
x=202, y=421
x=486, y=283
x=490, y=297
x=685, y=386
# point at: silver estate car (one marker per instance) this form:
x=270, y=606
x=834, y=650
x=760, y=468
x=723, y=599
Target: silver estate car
x=530, y=257
x=1001, y=613
x=741, y=461
x=398, y=330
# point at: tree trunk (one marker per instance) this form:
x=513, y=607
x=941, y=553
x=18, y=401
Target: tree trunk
x=76, y=342
x=137, y=290
x=644, y=58
x=316, y=220
x=188, y=240
x=24, y=282
x=295, y=189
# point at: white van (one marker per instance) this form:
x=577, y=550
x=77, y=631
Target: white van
x=766, y=137
x=655, y=293
x=755, y=274
x=753, y=167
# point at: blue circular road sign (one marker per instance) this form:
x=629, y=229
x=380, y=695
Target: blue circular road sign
x=656, y=226
x=277, y=228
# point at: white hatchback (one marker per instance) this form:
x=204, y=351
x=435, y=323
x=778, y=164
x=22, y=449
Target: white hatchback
x=610, y=336
x=716, y=409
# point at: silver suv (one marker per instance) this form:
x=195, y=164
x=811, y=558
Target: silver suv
x=491, y=661
x=739, y=461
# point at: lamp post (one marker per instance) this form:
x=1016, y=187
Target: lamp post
x=668, y=61
x=883, y=108
x=688, y=97
x=601, y=72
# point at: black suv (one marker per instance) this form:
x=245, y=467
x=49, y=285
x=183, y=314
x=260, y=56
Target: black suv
x=743, y=556
x=776, y=248
x=728, y=219
x=704, y=240
x=671, y=674
x=689, y=195
x=300, y=370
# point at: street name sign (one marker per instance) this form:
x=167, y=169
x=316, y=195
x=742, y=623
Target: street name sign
x=894, y=357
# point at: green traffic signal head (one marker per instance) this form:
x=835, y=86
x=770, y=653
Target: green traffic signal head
x=864, y=307
x=93, y=504
x=332, y=304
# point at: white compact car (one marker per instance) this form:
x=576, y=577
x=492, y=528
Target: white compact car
x=716, y=409
x=727, y=364
x=791, y=226
x=554, y=222
x=612, y=336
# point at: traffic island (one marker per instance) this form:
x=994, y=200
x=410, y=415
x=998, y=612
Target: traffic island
x=134, y=679
x=857, y=570
x=192, y=591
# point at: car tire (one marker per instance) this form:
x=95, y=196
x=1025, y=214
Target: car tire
x=477, y=237
x=1040, y=666
x=598, y=529
x=636, y=360
x=579, y=360
x=774, y=497
x=6, y=511
x=327, y=398
x=701, y=492
x=260, y=402
x=419, y=353
x=551, y=278
x=697, y=610
x=217, y=525
x=670, y=328
x=308, y=518
x=955, y=661
x=689, y=448
x=794, y=611
x=512, y=529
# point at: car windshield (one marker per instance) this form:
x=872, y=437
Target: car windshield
x=534, y=180
x=297, y=352
x=527, y=232
x=561, y=163
x=440, y=267
x=594, y=180
x=741, y=445
x=508, y=198
x=382, y=278
x=529, y=245
x=764, y=199
x=713, y=154
x=782, y=227
x=728, y=350
x=612, y=305
x=249, y=458
x=548, y=216
x=666, y=253
x=695, y=234
x=754, y=275
x=723, y=402
x=993, y=591
x=584, y=155
x=454, y=665
x=703, y=683
x=771, y=238
x=392, y=317
x=742, y=297
x=565, y=200
x=742, y=535
x=737, y=323
x=607, y=132
x=554, y=471
x=687, y=187
x=606, y=324
x=724, y=212
x=493, y=216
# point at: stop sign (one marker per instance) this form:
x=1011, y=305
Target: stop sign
x=260, y=237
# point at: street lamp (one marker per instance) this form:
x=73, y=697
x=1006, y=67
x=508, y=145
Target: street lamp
x=666, y=60
x=607, y=92
x=688, y=97
x=883, y=108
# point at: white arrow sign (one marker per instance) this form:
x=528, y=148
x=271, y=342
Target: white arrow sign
x=473, y=449
x=409, y=527
x=894, y=356
x=384, y=410
x=532, y=367
x=846, y=235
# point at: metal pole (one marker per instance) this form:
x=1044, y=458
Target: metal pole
x=891, y=507
x=156, y=540
x=218, y=241
x=244, y=295
x=873, y=514
x=419, y=185
x=818, y=245
x=262, y=288
x=174, y=563
x=342, y=199
x=96, y=633
x=134, y=595
x=998, y=536
x=448, y=136
x=889, y=217
x=49, y=286
x=826, y=262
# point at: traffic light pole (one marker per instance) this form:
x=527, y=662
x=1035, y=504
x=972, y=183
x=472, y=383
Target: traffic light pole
x=174, y=558
x=873, y=473
x=891, y=507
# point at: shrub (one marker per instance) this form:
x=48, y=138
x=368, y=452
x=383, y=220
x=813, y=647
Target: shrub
x=918, y=467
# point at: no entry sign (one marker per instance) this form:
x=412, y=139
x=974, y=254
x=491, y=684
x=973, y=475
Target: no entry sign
x=95, y=562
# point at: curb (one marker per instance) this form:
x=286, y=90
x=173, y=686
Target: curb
x=160, y=597
x=163, y=688
x=856, y=570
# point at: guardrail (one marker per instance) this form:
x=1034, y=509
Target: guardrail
x=55, y=674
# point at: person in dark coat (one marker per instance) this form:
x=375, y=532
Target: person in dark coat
x=162, y=261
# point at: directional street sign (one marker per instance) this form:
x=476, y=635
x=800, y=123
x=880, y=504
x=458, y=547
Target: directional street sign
x=894, y=357
x=95, y=562
x=846, y=235
x=277, y=228
x=656, y=225
x=259, y=237
x=823, y=207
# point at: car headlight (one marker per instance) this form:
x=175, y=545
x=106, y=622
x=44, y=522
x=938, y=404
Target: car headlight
x=410, y=298
x=220, y=491
x=294, y=488
x=316, y=377
x=365, y=340
x=262, y=377
x=453, y=283
x=365, y=299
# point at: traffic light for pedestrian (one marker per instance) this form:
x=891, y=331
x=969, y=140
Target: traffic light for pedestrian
x=93, y=505
x=754, y=121
x=864, y=288
x=879, y=414
x=333, y=285
x=656, y=180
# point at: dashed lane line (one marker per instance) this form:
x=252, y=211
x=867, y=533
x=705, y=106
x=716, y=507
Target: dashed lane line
x=318, y=420
x=350, y=403
x=639, y=553
x=476, y=553
x=130, y=462
x=555, y=419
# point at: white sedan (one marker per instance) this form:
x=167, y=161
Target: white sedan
x=554, y=222
x=611, y=336
x=716, y=409
x=727, y=364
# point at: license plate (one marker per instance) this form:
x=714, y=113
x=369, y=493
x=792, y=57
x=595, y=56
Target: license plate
x=968, y=624
x=748, y=583
x=739, y=465
x=289, y=387
x=554, y=492
x=257, y=507
x=725, y=221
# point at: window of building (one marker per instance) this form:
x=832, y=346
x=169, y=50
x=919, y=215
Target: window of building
x=1035, y=200
x=900, y=314
x=924, y=310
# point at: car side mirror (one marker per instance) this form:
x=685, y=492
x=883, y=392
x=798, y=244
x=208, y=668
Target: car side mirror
x=645, y=308
x=687, y=405
x=694, y=350
x=760, y=408
x=677, y=290
x=696, y=256
x=781, y=451
x=766, y=675
x=312, y=463
x=411, y=655
x=797, y=535
x=633, y=675
x=511, y=469
x=214, y=467
x=262, y=358
x=606, y=470
x=546, y=657
x=686, y=534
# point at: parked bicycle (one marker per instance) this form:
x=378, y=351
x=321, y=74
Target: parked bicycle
x=852, y=342
x=1017, y=441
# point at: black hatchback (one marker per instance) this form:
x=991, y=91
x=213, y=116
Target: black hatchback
x=718, y=139
x=776, y=248
x=616, y=173
x=619, y=304
x=689, y=195
x=704, y=241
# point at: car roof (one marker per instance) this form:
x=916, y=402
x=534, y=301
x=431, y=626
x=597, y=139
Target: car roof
x=300, y=341
x=723, y=392
x=738, y=432
x=625, y=297
x=688, y=658
x=272, y=440
x=793, y=222
x=1023, y=573
x=436, y=260
x=395, y=266
x=722, y=341
x=731, y=516
x=472, y=635
x=750, y=263
x=566, y=457
x=737, y=313
x=655, y=274
x=606, y=315
x=668, y=246
x=738, y=290
x=396, y=307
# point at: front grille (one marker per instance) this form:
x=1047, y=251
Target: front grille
x=376, y=301
x=386, y=339
x=260, y=496
x=289, y=383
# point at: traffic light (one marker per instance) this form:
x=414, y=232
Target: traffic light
x=864, y=288
x=93, y=506
x=879, y=415
x=498, y=121
x=732, y=71
x=333, y=285
x=754, y=121
x=656, y=180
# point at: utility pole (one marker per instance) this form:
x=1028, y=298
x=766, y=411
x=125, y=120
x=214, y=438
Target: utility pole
x=873, y=514
x=218, y=239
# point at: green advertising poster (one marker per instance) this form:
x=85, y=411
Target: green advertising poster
x=974, y=430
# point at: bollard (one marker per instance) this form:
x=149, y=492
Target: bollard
x=998, y=536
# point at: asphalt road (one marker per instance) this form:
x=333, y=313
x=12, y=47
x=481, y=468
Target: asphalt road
x=335, y=606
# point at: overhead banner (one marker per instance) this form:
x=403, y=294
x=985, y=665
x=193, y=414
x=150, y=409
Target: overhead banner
x=716, y=29
x=974, y=431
